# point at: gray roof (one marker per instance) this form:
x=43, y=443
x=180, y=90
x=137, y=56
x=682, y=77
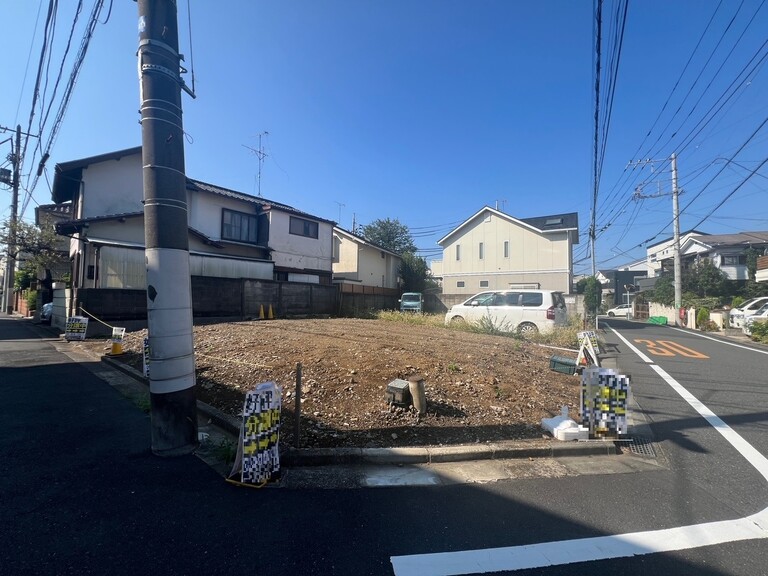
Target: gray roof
x=197, y=186
x=739, y=239
x=68, y=175
x=554, y=222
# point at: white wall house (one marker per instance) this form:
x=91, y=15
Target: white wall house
x=657, y=253
x=492, y=250
x=356, y=260
x=231, y=234
x=728, y=252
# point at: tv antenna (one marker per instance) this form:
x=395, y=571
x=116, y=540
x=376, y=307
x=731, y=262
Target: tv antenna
x=260, y=154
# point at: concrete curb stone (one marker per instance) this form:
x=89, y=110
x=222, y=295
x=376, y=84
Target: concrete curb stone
x=543, y=448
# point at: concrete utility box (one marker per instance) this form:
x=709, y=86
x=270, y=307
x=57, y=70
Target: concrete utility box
x=398, y=392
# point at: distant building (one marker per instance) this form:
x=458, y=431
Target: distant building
x=492, y=250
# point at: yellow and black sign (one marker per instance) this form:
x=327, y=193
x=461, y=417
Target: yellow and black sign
x=76, y=328
x=258, y=453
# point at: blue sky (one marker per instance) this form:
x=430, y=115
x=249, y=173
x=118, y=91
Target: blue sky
x=428, y=110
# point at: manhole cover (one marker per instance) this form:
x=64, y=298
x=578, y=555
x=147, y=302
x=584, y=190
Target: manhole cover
x=642, y=446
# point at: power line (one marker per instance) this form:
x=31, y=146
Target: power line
x=80, y=58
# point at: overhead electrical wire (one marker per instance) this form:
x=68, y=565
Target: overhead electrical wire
x=64, y=103
x=611, y=207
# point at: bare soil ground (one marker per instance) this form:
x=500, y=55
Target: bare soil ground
x=479, y=388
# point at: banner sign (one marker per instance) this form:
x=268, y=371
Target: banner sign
x=76, y=328
x=145, y=349
x=117, y=335
x=604, y=396
x=258, y=454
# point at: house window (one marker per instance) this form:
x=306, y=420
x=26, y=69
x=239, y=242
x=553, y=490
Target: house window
x=480, y=253
x=506, y=248
x=735, y=260
x=460, y=284
x=301, y=227
x=458, y=251
x=483, y=283
x=238, y=226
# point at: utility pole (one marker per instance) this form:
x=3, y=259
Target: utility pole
x=638, y=195
x=676, y=225
x=10, y=262
x=173, y=407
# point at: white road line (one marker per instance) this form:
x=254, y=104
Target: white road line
x=604, y=547
x=726, y=342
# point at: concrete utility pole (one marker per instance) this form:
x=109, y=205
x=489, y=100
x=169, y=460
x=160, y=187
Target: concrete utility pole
x=10, y=262
x=173, y=407
x=638, y=195
x=676, y=223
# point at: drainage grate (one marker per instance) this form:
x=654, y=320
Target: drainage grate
x=642, y=446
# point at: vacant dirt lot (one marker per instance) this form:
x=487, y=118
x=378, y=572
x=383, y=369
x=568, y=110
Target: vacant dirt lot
x=478, y=387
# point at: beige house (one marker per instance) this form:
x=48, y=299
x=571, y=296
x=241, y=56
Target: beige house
x=358, y=261
x=492, y=250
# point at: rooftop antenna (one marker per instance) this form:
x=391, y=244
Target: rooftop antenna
x=260, y=154
x=340, y=207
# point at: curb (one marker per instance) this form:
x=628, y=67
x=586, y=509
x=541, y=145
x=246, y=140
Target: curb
x=508, y=449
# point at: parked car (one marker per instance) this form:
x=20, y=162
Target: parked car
x=524, y=311
x=620, y=310
x=761, y=315
x=737, y=315
x=412, y=302
x=46, y=313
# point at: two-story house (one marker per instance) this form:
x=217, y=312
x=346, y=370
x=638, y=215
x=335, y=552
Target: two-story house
x=361, y=262
x=231, y=234
x=665, y=250
x=492, y=250
x=728, y=252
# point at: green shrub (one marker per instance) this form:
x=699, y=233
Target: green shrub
x=760, y=332
x=737, y=301
x=32, y=299
x=703, y=322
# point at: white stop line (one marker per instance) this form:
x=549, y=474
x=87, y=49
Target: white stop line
x=604, y=547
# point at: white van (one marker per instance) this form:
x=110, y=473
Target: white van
x=524, y=311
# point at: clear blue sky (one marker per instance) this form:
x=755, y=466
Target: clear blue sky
x=427, y=110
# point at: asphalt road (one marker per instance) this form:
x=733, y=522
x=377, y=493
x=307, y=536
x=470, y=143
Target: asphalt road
x=81, y=493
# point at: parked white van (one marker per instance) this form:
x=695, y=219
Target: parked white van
x=524, y=311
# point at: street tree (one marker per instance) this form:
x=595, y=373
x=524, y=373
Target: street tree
x=592, y=295
x=390, y=234
x=704, y=279
x=664, y=291
x=415, y=274
x=39, y=246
